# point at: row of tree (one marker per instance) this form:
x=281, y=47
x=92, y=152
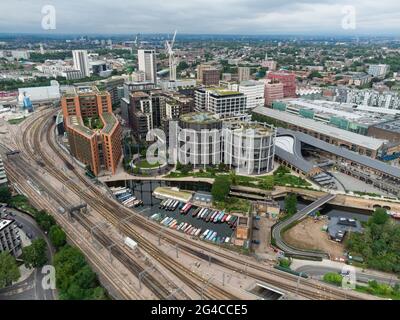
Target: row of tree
x=379, y=244
x=75, y=278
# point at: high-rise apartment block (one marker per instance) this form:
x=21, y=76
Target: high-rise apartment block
x=224, y=103
x=253, y=90
x=81, y=62
x=244, y=73
x=211, y=77
x=378, y=70
x=148, y=64
x=94, y=133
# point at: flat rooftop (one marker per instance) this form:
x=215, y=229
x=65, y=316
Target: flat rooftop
x=200, y=117
x=338, y=151
x=77, y=123
x=251, y=128
x=309, y=124
x=109, y=122
x=4, y=223
x=392, y=126
x=221, y=92
x=345, y=111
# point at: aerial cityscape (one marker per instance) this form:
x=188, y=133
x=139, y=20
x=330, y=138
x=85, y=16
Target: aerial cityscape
x=168, y=152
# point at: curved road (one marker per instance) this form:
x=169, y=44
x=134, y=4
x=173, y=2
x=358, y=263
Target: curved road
x=319, y=271
x=277, y=230
x=30, y=288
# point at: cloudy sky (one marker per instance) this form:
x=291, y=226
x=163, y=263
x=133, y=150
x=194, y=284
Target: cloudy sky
x=204, y=16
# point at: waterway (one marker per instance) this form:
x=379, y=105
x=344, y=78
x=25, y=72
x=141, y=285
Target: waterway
x=144, y=191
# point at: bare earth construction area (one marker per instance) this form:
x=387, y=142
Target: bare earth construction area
x=309, y=235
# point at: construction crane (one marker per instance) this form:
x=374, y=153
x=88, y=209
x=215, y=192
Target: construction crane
x=172, y=59
x=136, y=43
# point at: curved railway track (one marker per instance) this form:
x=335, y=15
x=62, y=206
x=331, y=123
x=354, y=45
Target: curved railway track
x=115, y=212
x=149, y=281
x=109, y=212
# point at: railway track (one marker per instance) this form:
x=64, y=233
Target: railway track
x=108, y=273
x=316, y=291
x=113, y=215
x=120, y=253
x=192, y=281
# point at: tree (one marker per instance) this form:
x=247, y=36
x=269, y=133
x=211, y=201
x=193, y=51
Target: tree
x=44, y=220
x=233, y=177
x=379, y=217
x=285, y=263
x=268, y=183
x=179, y=166
x=221, y=187
x=68, y=261
x=57, y=236
x=9, y=271
x=333, y=278
x=182, y=66
x=34, y=256
x=85, y=278
x=378, y=245
x=291, y=204
x=5, y=195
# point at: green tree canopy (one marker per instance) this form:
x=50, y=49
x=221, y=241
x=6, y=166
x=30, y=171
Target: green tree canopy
x=379, y=217
x=9, y=271
x=44, y=220
x=5, y=195
x=379, y=244
x=75, y=278
x=221, y=187
x=291, y=204
x=333, y=278
x=34, y=256
x=57, y=236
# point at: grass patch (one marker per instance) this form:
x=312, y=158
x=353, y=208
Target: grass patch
x=381, y=290
x=16, y=121
x=232, y=204
x=145, y=165
x=282, y=177
x=22, y=203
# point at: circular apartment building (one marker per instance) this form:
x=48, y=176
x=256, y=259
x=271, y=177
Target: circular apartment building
x=199, y=139
x=249, y=147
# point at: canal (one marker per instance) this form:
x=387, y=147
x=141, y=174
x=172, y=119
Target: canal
x=144, y=190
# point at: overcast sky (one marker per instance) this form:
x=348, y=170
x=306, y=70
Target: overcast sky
x=202, y=16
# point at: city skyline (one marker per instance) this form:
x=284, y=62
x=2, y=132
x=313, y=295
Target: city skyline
x=245, y=17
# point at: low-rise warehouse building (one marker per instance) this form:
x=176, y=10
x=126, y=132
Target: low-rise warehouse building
x=363, y=145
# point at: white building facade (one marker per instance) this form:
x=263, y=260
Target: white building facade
x=147, y=64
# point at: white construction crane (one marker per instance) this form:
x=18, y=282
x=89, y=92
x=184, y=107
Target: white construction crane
x=172, y=59
x=136, y=44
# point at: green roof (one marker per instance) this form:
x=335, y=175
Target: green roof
x=110, y=122
x=200, y=117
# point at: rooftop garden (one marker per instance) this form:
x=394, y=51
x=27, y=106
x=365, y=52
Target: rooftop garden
x=93, y=123
x=281, y=177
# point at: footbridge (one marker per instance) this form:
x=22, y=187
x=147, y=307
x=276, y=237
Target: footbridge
x=283, y=225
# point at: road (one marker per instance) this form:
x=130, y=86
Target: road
x=30, y=288
x=364, y=277
x=276, y=233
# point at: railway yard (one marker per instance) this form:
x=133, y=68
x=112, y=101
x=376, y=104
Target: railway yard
x=167, y=264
